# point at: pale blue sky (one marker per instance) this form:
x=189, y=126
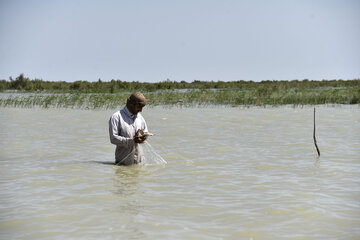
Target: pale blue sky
x=155, y=40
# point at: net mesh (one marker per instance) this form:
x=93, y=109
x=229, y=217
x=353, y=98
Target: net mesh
x=150, y=156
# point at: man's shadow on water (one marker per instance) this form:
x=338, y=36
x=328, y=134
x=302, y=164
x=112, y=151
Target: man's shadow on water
x=104, y=162
x=107, y=163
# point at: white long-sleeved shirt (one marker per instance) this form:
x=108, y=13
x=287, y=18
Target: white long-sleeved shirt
x=123, y=126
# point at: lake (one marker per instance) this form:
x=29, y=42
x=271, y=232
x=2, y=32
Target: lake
x=231, y=173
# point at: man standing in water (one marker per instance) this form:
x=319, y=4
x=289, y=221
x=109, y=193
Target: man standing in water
x=126, y=130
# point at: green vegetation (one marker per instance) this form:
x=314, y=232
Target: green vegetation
x=96, y=95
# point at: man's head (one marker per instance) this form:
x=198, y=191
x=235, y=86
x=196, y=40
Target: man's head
x=136, y=102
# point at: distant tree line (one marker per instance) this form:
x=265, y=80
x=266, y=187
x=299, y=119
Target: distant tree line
x=22, y=83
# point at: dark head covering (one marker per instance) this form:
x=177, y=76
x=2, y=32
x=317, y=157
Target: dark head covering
x=137, y=98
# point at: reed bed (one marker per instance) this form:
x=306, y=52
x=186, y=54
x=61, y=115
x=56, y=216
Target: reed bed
x=189, y=97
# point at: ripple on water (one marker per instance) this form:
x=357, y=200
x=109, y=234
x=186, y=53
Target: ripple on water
x=234, y=173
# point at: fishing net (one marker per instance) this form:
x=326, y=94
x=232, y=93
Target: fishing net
x=143, y=154
x=150, y=156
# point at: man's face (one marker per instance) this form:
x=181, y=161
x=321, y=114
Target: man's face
x=136, y=108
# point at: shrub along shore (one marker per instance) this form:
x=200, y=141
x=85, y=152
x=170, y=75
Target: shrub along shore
x=23, y=92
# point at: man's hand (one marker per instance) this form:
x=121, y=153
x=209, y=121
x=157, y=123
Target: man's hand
x=139, y=138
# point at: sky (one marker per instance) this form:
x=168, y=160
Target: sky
x=180, y=40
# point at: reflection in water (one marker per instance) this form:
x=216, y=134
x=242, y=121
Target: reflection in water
x=126, y=182
x=126, y=179
x=317, y=162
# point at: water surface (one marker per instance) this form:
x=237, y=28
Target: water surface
x=232, y=173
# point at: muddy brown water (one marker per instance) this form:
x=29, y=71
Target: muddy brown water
x=231, y=173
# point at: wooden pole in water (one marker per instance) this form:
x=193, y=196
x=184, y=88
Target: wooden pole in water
x=317, y=149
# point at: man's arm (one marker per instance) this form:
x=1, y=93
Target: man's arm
x=140, y=135
x=115, y=138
